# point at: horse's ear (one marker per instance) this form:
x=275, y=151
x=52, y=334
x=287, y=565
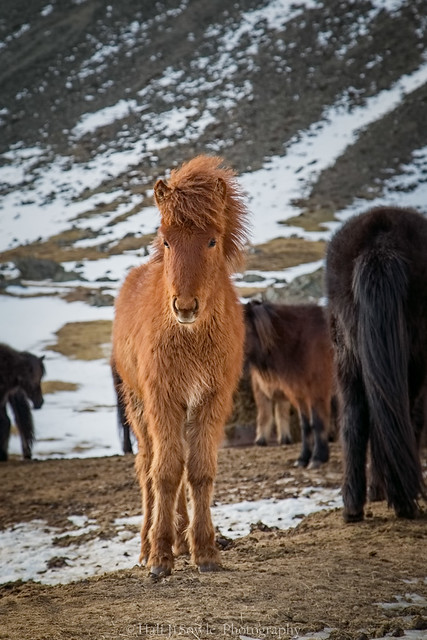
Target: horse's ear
x=221, y=188
x=161, y=191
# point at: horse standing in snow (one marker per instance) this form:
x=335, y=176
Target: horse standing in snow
x=178, y=348
x=376, y=276
x=20, y=378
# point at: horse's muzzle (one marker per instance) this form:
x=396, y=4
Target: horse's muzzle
x=37, y=402
x=185, y=313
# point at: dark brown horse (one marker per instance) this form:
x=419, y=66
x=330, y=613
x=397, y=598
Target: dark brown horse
x=376, y=276
x=20, y=378
x=288, y=350
x=178, y=350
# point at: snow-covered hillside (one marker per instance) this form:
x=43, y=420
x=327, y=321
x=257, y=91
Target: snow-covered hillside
x=319, y=106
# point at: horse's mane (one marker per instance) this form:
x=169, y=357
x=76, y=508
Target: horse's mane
x=262, y=321
x=201, y=193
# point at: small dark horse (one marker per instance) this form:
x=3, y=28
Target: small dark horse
x=20, y=378
x=376, y=277
x=288, y=350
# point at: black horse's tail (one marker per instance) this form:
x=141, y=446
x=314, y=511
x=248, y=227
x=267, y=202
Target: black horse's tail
x=380, y=286
x=24, y=420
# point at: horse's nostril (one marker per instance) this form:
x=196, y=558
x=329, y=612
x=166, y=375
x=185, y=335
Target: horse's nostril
x=185, y=305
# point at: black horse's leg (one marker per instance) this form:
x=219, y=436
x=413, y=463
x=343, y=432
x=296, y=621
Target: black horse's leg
x=355, y=435
x=321, y=447
x=4, y=432
x=306, y=437
x=24, y=421
x=376, y=490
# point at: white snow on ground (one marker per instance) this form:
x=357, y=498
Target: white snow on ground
x=28, y=547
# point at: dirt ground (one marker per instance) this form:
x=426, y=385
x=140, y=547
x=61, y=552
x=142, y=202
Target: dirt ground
x=321, y=574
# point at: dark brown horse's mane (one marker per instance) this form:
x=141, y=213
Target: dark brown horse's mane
x=262, y=319
x=201, y=194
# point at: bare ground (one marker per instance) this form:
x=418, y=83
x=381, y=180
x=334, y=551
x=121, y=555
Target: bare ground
x=322, y=574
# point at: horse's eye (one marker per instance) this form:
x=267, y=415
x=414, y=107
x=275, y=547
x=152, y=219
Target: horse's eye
x=166, y=244
x=212, y=242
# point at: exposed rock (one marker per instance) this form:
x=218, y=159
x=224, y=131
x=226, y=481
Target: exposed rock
x=41, y=269
x=305, y=288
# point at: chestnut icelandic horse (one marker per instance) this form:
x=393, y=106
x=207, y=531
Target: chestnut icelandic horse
x=289, y=352
x=376, y=277
x=178, y=349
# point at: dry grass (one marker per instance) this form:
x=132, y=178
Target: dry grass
x=53, y=386
x=84, y=340
x=282, y=253
x=60, y=247
x=313, y=218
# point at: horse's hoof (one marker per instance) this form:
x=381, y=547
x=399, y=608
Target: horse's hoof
x=159, y=572
x=409, y=512
x=285, y=440
x=352, y=517
x=314, y=464
x=261, y=442
x=301, y=463
x=207, y=567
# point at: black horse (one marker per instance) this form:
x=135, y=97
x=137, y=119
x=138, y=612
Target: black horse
x=20, y=379
x=376, y=281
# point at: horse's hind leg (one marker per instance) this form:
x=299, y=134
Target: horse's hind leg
x=306, y=437
x=143, y=459
x=181, y=522
x=122, y=421
x=355, y=434
x=264, y=419
x=4, y=433
x=142, y=467
x=376, y=490
x=282, y=418
x=320, y=417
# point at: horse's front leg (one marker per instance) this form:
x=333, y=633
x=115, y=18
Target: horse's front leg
x=167, y=468
x=204, y=434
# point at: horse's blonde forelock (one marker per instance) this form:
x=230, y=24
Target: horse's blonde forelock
x=195, y=198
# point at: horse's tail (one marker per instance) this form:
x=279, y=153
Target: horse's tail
x=380, y=287
x=24, y=420
x=122, y=421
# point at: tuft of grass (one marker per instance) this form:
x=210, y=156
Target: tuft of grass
x=282, y=253
x=53, y=386
x=84, y=340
